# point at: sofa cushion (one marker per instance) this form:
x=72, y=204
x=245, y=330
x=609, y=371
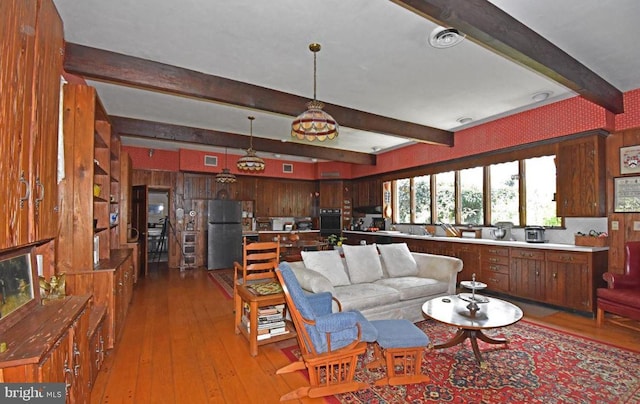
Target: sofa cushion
x=313, y=281
x=412, y=287
x=365, y=296
x=363, y=263
x=398, y=259
x=328, y=263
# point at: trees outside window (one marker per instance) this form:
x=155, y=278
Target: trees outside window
x=422, y=194
x=445, y=197
x=472, y=196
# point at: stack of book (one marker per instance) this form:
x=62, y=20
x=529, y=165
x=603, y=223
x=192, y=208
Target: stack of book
x=270, y=321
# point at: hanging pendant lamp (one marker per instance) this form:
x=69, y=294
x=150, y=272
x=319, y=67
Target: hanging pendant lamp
x=225, y=177
x=314, y=123
x=250, y=162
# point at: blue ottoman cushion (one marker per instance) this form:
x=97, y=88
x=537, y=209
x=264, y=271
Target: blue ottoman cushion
x=399, y=334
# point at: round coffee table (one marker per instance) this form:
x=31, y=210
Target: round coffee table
x=452, y=310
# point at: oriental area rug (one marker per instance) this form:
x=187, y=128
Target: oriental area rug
x=539, y=365
x=223, y=278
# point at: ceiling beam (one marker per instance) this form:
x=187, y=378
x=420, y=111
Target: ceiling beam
x=489, y=26
x=176, y=133
x=133, y=71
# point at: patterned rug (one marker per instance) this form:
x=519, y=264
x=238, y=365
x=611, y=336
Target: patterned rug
x=223, y=278
x=540, y=365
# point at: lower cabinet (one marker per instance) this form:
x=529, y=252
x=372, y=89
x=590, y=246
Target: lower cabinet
x=51, y=346
x=470, y=255
x=97, y=342
x=526, y=273
x=495, y=268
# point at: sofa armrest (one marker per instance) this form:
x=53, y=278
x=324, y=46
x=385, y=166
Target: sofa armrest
x=620, y=281
x=312, y=281
x=439, y=267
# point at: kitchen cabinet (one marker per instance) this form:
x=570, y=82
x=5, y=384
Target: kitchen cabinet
x=31, y=66
x=570, y=280
x=495, y=268
x=50, y=346
x=526, y=277
x=581, y=171
x=470, y=256
x=331, y=194
x=366, y=192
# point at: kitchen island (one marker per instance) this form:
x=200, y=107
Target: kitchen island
x=561, y=275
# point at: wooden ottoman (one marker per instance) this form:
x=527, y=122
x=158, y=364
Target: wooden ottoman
x=399, y=347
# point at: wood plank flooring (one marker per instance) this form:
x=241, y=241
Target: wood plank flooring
x=179, y=346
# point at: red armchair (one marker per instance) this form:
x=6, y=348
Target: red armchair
x=622, y=296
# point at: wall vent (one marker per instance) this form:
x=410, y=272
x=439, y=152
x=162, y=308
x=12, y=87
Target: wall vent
x=211, y=161
x=330, y=174
x=287, y=168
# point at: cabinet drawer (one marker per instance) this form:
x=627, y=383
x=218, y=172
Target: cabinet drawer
x=496, y=260
x=568, y=257
x=497, y=281
x=500, y=251
x=528, y=254
x=488, y=268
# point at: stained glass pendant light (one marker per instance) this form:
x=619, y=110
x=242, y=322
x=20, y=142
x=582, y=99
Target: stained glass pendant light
x=250, y=162
x=225, y=177
x=314, y=123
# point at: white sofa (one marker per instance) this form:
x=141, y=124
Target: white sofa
x=383, y=282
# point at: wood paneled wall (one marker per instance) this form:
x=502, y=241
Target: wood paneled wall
x=625, y=232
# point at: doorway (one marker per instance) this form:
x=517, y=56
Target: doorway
x=158, y=225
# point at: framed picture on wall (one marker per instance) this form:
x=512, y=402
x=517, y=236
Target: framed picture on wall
x=630, y=160
x=626, y=194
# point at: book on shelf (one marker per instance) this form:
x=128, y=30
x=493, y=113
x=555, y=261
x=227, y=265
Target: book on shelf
x=278, y=331
x=270, y=325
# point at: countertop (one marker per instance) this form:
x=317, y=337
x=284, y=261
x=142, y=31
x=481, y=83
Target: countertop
x=280, y=231
x=483, y=241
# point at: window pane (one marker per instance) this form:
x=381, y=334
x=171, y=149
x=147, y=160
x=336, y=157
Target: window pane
x=403, y=201
x=504, y=192
x=540, y=175
x=445, y=197
x=422, y=193
x=472, y=211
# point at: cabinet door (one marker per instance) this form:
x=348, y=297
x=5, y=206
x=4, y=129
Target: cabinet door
x=331, y=193
x=526, y=277
x=568, y=280
x=470, y=256
x=49, y=48
x=56, y=367
x=581, y=177
x=18, y=27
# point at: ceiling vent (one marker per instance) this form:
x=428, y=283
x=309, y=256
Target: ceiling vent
x=330, y=174
x=211, y=161
x=442, y=37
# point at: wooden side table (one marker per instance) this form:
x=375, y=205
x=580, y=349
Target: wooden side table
x=245, y=295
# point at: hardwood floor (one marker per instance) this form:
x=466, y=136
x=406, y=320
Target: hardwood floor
x=179, y=346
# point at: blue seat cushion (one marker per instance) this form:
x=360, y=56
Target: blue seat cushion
x=399, y=334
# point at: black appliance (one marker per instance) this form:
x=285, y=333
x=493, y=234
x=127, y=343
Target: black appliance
x=330, y=222
x=379, y=223
x=224, y=234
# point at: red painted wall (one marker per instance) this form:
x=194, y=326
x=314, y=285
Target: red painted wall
x=562, y=118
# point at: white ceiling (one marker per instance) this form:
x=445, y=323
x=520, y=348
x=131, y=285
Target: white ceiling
x=375, y=58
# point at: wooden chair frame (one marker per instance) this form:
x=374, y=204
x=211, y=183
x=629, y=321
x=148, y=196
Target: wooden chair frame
x=259, y=261
x=331, y=372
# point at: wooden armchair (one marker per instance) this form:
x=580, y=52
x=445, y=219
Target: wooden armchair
x=622, y=296
x=329, y=342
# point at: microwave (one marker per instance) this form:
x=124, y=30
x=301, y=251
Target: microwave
x=534, y=234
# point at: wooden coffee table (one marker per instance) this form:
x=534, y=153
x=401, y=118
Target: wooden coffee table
x=453, y=310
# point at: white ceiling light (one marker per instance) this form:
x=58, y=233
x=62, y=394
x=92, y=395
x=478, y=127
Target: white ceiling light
x=541, y=96
x=464, y=120
x=442, y=37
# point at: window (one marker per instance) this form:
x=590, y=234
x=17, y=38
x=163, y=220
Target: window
x=472, y=196
x=422, y=196
x=540, y=185
x=402, y=210
x=521, y=192
x=505, y=199
x=445, y=197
